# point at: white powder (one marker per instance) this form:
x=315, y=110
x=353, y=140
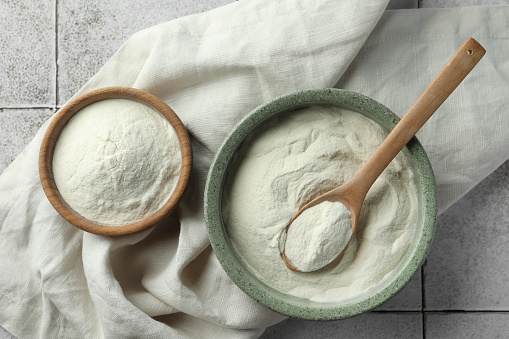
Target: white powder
x=318, y=235
x=116, y=162
x=293, y=160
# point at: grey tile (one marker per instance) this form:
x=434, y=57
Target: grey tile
x=90, y=32
x=408, y=299
x=5, y=335
x=370, y=325
x=459, y=3
x=402, y=4
x=17, y=128
x=27, y=53
x=467, y=325
x=467, y=268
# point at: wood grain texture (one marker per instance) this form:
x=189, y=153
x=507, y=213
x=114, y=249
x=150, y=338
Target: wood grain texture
x=57, y=125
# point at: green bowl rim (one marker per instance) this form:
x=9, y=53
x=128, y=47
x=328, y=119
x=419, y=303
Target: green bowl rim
x=269, y=296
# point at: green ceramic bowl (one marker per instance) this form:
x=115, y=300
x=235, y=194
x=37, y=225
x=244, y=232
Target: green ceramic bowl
x=282, y=302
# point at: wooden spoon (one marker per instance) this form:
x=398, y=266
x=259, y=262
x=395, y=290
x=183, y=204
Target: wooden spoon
x=353, y=192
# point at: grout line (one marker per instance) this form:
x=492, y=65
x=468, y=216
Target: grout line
x=441, y=311
x=56, y=53
x=423, y=287
x=423, y=299
x=28, y=107
x=424, y=320
x=465, y=311
x=394, y=311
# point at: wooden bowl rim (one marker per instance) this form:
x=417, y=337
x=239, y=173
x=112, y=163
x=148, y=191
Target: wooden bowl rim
x=53, y=132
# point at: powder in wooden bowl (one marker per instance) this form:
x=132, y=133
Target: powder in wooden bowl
x=116, y=162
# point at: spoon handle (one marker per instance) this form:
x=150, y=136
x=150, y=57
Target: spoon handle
x=463, y=61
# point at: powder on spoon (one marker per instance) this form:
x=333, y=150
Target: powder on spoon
x=318, y=235
x=117, y=162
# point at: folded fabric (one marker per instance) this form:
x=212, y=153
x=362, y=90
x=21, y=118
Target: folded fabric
x=468, y=137
x=213, y=69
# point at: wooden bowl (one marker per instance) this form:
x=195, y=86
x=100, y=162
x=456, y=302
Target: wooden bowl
x=58, y=123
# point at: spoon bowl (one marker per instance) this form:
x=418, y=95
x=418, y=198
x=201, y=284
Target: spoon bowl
x=353, y=192
x=344, y=194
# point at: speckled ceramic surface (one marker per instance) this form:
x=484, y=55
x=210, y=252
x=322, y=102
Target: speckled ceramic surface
x=280, y=301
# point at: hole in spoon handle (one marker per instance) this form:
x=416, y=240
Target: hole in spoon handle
x=460, y=65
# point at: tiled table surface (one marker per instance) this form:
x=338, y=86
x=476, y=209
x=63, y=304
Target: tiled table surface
x=48, y=49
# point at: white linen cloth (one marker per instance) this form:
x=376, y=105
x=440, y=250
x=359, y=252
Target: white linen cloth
x=212, y=69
